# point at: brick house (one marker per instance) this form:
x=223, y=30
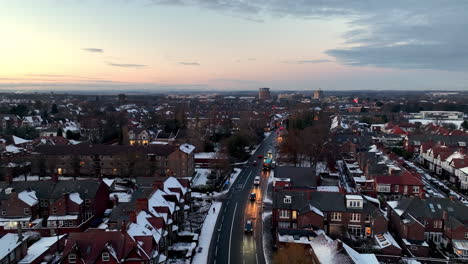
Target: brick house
x=13, y=247
x=41, y=205
x=115, y=160
x=139, y=136
x=336, y=213
x=101, y=246
x=441, y=221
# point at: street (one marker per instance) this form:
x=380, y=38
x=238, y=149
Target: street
x=230, y=244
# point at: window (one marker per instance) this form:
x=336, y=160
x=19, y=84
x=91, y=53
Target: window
x=397, y=188
x=87, y=202
x=44, y=203
x=383, y=188
x=284, y=214
x=294, y=214
x=54, y=210
x=355, y=217
x=283, y=224
x=26, y=211
x=437, y=224
x=466, y=235
x=336, y=216
x=405, y=189
x=415, y=189
x=105, y=256
x=72, y=258
x=3, y=211
x=367, y=218
x=354, y=230
x=287, y=200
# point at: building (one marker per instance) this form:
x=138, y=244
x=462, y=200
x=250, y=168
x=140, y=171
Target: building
x=336, y=213
x=439, y=220
x=264, y=94
x=318, y=95
x=115, y=160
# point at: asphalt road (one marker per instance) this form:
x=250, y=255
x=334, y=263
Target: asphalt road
x=230, y=244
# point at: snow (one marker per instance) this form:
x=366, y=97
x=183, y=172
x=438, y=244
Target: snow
x=74, y=142
x=144, y=228
x=12, y=149
x=157, y=200
x=360, y=258
x=62, y=217
x=353, y=197
x=201, y=177
x=108, y=182
x=18, y=140
x=8, y=243
x=205, y=155
x=290, y=239
x=75, y=197
x=39, y=248
x=372, y=199
x=315, y=210
x=122, y=196
x=187, y=148
x=207, y=233
x=181, y=246
x=328, y=189
x=172, y=182
x=29, y=197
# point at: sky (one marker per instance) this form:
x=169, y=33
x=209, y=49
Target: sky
x=234, y=44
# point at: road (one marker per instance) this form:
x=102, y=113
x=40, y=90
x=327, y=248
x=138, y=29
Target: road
x=229, y=242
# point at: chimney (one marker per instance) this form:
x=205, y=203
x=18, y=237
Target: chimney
x=20, y=232
x=132, y=216
x=158, y=184
x=116, y=200
x=339, y=245
x=445, y=215
x=141, y=204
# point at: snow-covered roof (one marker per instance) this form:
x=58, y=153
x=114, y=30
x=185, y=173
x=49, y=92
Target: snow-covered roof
x=315, y=210
x=187, y=148
x=328, y=189
x=62, y=217
x=353, y=197
x=75, y=197
x=108, y=182
x=39, y=248
x=157, y=200
x=172, y=182
x=8, y=243
x=29, y=197
x=205, y=155
x=12, y=149
x=18, y=140
x=143, y=227
x=360, y=258
x=386, y=239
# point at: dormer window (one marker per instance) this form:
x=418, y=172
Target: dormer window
x=287, y=199
x=354, y=201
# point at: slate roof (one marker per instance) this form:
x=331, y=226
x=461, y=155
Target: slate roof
x=301, y=177
x=430, y=208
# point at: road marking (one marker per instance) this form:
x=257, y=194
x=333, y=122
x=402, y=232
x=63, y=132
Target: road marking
x=216, y=252
x=247, y=180
x=256, y=256
x=230, y=235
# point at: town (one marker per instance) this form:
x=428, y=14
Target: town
x=234, y=177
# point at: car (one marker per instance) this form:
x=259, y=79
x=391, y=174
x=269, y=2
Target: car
x=254, y=163
x=253, y=196
x=260, y=156
x=248, y=228
x=257, y=181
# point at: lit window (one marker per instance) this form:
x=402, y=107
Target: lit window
x=59, y=171
x=294, y=214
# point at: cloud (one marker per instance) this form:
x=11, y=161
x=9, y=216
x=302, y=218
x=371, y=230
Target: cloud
x=190, y=63
x=127, y=65
x=400, y=34
x=307, y=61
x=94, y=50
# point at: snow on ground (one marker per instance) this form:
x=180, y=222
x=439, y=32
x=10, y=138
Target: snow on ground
x=266, y=215
x=201, y=178
x=206, y=234
x=123, y=197
x=30, y=178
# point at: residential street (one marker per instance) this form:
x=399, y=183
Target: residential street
x=230, y=244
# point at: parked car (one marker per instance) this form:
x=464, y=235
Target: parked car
x=253, y=196
x=257, y=181
x=248, y=228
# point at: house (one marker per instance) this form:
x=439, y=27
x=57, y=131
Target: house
x=9, y=120
x=139, y=136
x=441, y=221
x=295, y=178
x=337, y=214
x=101, y=246
x=115, y=160
x=13, y=247
x=32, y=121
x=43, y=250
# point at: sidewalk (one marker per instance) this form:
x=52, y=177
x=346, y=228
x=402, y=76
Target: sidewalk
x=201, y=252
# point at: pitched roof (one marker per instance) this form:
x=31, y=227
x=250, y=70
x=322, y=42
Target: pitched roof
x=85, y=149
x=301, y=177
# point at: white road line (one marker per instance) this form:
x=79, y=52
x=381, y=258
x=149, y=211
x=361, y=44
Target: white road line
x=230, y=234
x=216, y=252
x=247, y=180
x=256, y=256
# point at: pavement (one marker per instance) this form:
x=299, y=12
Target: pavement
x=230, y=244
